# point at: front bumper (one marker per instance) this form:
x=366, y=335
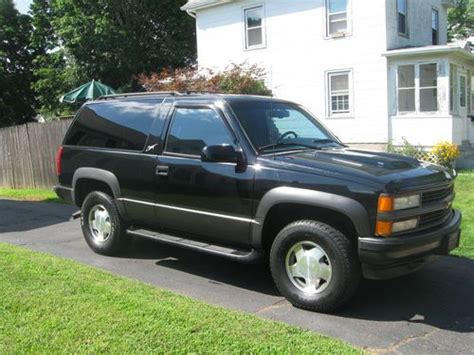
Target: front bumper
x=384, y=258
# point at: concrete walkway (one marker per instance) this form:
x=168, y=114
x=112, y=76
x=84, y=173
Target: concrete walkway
x=431, y=311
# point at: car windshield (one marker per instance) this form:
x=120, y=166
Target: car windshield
x=279, y=126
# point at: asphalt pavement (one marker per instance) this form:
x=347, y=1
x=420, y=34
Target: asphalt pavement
x=431, y=311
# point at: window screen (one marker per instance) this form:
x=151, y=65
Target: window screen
x=428, y=87
x=406, y=88
x=193, y=129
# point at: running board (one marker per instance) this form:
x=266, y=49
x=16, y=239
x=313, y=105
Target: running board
x=242, y=255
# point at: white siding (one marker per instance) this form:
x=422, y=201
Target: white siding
x=298, y=55
x=419, y=24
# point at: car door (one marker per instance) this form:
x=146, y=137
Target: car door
x=206, y=200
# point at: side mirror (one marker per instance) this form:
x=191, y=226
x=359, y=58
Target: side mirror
x=220, y=154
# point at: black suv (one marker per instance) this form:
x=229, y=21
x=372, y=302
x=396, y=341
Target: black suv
x=251, y=178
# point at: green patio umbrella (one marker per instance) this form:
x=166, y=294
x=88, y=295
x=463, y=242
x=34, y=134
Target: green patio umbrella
x=90, y=91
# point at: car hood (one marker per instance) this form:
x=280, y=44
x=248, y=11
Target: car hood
x=396, y=172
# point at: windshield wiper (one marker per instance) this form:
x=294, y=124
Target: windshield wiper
x=325, y=140
x=286, y=144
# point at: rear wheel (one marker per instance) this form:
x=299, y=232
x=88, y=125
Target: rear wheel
x=314, y=266
x=102, y=226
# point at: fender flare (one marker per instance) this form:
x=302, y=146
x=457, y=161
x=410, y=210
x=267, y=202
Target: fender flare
x=101, y=175
x=354, y=210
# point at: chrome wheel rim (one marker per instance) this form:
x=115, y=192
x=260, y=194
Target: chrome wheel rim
x=100, y=224
x=308, y=267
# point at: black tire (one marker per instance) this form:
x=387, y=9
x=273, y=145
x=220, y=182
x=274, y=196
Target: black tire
x=342, y=255
x=117, y=239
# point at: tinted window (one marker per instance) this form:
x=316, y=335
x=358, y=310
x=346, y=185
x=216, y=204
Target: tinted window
x=271, y=122
x=119, y=125
x=193, y=129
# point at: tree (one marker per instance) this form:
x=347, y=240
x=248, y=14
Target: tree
x=113, y=40
x=16, y=97
x=461, y=20
x=54, y=70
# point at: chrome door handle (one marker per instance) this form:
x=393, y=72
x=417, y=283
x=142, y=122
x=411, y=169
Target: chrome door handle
x=162, y=170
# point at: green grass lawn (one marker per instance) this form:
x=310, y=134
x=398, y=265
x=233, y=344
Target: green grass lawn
x=53, y=305
x=43, y=195
x=465, y=202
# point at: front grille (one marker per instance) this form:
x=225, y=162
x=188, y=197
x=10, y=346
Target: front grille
x=433, y=218
x=436, y=195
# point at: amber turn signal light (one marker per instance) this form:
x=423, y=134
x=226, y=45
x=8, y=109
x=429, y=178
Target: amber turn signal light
x=383, y=228
x=386, y=204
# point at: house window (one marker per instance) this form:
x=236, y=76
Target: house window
x=428, y=87
x=453, y=85
x=254, y=27
x=417, y=88
x=462, y=93
x=470, y=90
x=339, y=93
x=435, y=26
x=406, y=88
x=337, y=19
x=402, y=9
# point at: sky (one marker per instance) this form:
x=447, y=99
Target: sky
x=23, y=5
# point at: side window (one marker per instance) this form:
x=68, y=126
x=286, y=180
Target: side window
x=406, y=88
x=402, y=10
x=435, y=26
x=254, y=28
x=453, y=87
x=194, y=128
x=115, y=125
x=337, y=17
x=339, y=93
x=462, y=91
x=428, y=87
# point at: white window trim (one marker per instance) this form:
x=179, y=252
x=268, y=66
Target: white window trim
x=263, y=27
x=328, y=94
x=347, y=32
x=418, y=111
x=407, y=33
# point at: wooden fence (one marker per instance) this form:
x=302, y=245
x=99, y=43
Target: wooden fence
x=27, y=154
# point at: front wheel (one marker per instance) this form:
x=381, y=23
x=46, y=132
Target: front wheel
x=314, y=266
x=102, y=226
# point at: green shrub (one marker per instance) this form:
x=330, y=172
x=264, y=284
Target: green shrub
x=446, y=153
x=407, y=149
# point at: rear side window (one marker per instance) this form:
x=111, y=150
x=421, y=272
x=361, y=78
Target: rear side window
x=193, y=129
x=115, y=125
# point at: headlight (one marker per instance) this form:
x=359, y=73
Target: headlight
x=386, y=228
x=403, y=203
x=390, y=203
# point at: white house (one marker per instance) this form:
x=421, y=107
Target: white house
x=374, y=71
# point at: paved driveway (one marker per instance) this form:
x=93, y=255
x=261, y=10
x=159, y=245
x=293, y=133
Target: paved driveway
x=431, y=311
